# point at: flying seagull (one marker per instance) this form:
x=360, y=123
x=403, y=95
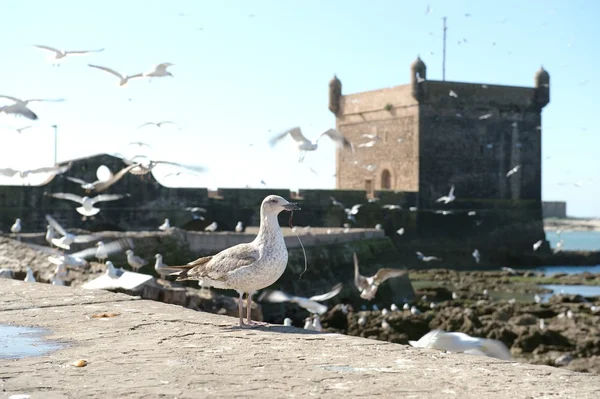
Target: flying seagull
x=426, y=258
x=20, y=130
x=537, y=245
x=101, y=185
x=20, y=106
x=144, y=165
x=122, y=79
x=368, y=286
x=513, y=171
x=87, y=208
x=157, y=124
x=67, y=238
x=159, y=71
x=23, y=174
x=305, y=144
x=311, y=304
x=247, y=267
x=447, y=198
x=60, y=54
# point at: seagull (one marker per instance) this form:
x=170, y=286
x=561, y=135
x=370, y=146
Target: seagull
x=158, y=71
x=400, y=231
x=239, y=227
x=101, y=185
x=509, y=270
x=513, y=171
x=311, y=304
x=50, y=234
x=101, y=253
x=537, y=245
x=426, y=258
x=249, y=267
x=16, y=228
x=476, y=255
x=23, y=174
x=20, y=107
x=67, y=238
x=447, y=198
x=60, y=54
x=157, y=124
x=144, y=165
x=78, y=259
x=305, y=145
x=368, y=286
x=287, y=322
x=162, y=269
x=316, y=323
x=461, y=342
x=211, y=227
x=453, y=94
x=111, y=270
x=135, y=261
x=20, y=130
x=29, y=278
x=87, y=208
x=368, y=144
x=165, y=226
x=122, y=79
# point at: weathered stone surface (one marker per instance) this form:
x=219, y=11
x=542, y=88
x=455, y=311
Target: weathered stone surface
x=151, y=350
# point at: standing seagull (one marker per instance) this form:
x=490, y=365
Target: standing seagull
x=29, y=278
x=368, y=286
x=476, y=255
x=447, y=198
x=249, y=267
x=239, y=227
x=165, y=226
x=101, y=252
x=122, y=79
x=135, y=261
x=159, y=71
x=212, y=227
x=162, y=269
x=16, y=228
x=60, y=54
x=20, y=106
x=87, y=208
x=305, y=144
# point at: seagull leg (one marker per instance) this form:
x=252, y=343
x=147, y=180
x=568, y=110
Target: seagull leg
x=241, y=310
x=249, y=321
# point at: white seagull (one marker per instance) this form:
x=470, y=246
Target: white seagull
x=29, y=278
x=159, y=71
x=476, y=255
x=135, y=261
x=368, y=286
x=311, y=304
x=537, y=245
x=239, y=227
x=157, y=124
x=67, y=239
x=87, y=208
x=19, y=107
x=16, y=227
x=305, y=144
x=101, y=252
x=426, y=258
x=101, y=185
x=211, y=227
x=122, y=79
x=461, y=342
x=165, y=226
x=60, y=54
x=447, y=198
x=513, y=171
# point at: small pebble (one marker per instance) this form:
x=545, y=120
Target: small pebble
x=80, y=363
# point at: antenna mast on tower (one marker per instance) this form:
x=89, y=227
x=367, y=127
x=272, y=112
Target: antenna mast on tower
x=444, y=52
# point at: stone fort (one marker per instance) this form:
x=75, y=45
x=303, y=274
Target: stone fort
x=425, y=141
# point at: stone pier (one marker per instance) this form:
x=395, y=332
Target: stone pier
x=143, y=349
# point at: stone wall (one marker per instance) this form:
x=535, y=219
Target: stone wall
x=554, y=209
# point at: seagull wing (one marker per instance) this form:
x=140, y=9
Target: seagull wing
x=110, y=248
x=274, y=296
x=359, y=280
x=101, y=186
x=146, y=124
x=66, y=196
x=52, y=169
x=451, y=193
x=323, y=297
x=108, y=197
x=85, y=238
x=386, y=273
x=48, y=48
x=295, y=132
x=311, y=306
x=8, y=172
x=219, y=266
x=165, y=122
x=80, y=52
x=76, y=180
x=111, y=71
x=338, y=138
x=48, y=100
x=52, y=222
x=15, y=99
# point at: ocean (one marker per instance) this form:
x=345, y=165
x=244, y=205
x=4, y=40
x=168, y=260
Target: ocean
x=576, y=240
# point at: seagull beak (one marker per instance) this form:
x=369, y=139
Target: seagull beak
x=291, y=206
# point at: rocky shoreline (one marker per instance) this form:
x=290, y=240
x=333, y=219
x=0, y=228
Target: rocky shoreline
x=571, y=224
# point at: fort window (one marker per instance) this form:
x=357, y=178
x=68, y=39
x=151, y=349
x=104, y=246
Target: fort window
x=386, y=180
x=369, y=186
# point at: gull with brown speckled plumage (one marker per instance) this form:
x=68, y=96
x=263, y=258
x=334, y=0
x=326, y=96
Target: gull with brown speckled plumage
x=249, y=267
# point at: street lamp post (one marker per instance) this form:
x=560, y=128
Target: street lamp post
x=55, y=143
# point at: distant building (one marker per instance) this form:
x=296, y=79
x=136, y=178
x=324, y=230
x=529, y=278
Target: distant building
x=554, y=209
x=429, y=135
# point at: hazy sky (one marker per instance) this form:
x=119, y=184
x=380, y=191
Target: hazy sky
x=247, y=69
